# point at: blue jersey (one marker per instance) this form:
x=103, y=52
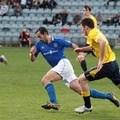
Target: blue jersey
x=54, y=51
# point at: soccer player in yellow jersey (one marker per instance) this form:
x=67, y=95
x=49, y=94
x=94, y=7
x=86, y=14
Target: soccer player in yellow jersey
x=107, y=65
x=82, y=55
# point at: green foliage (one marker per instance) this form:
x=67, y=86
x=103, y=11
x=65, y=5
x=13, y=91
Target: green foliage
x=22, y=94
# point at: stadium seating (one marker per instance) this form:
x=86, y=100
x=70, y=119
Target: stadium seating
x=32, y=12
x=15, y=38
x=112, y=38
x=27, y=20
x=19, y=20
x=34, y=18
x=25, y=12
x=8, y=38
x=13, y=27
x=6, y=27
x=5, y=19
x=39, y=13
x=2, y=35
x=12, y=20
x=1, y=27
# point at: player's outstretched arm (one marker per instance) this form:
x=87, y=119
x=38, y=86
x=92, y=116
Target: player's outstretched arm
x=32, y=53
x=83, y=49
x=74, y=46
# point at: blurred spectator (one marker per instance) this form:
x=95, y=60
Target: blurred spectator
x=25, y=38
x=52, y=4
x=108, y=22
x=4, y=9
x=23, y=4
x=17, y=10
x=59, y=19
x=99, y=18
x=115, y=20
x=36, y=4
x=29, y=4
x=12, y=3
x=118, y=19
x=118, y=23
x=107, y=4
x=76, y=19
x=56, y=20
x=44, y=4
x=64, y=14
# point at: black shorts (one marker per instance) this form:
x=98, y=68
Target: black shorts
x=109, y=70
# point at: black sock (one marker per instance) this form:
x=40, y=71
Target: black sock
x=87, y=101
x=84, y=65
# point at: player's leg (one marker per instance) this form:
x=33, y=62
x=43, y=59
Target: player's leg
x=47, y=80
x=55, y=74
x=102, y=95
x=83, y=79
x=115, y=76
x=81, y=59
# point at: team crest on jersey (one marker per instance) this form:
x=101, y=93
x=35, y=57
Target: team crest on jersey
x=55, y=45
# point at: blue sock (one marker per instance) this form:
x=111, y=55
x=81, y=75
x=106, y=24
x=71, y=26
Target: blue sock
x=97, y=94
x=1, y=59
x=51, y=93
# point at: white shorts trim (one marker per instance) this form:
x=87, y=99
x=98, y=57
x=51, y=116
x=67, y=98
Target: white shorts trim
x=65, y=70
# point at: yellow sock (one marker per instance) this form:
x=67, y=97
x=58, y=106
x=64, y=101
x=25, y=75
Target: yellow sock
x=85, y=94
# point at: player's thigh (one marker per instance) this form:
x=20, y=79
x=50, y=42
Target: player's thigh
x=75, y=86
x=51, y=76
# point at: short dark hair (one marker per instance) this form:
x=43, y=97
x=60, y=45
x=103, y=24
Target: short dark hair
x=87, y=21
x=42, y=30
x=87, y=7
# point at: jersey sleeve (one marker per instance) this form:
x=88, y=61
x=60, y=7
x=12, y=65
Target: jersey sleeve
x=64, y=42
x=37, y=48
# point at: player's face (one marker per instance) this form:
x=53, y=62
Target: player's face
x=86, y=12
x=42, y=37
x=84, y=29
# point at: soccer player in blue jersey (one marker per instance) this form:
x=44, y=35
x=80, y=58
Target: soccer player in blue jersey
x=52, y=50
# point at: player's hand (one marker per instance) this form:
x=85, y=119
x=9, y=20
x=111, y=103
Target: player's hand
x=100, y=65
x=78, y=58
x=33, y=50
x=77, y=50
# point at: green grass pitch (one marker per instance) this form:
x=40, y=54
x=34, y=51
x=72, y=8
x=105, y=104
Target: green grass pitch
x=21, y=91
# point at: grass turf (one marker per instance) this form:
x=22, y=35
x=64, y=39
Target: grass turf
x=22, y=94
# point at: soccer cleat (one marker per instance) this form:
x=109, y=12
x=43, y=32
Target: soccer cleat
x=114, y=99
x=50, y=105
x=4, y=59
x=83, y=109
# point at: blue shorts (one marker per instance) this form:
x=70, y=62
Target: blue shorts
x=109, y=70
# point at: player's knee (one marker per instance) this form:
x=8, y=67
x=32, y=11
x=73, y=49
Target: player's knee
x=82, y=80
x=44, y=81
x=75, y=86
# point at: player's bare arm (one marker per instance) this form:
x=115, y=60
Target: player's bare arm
x=102, y=53
x=74, y=46
x=83, y=49
x=32, y=52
